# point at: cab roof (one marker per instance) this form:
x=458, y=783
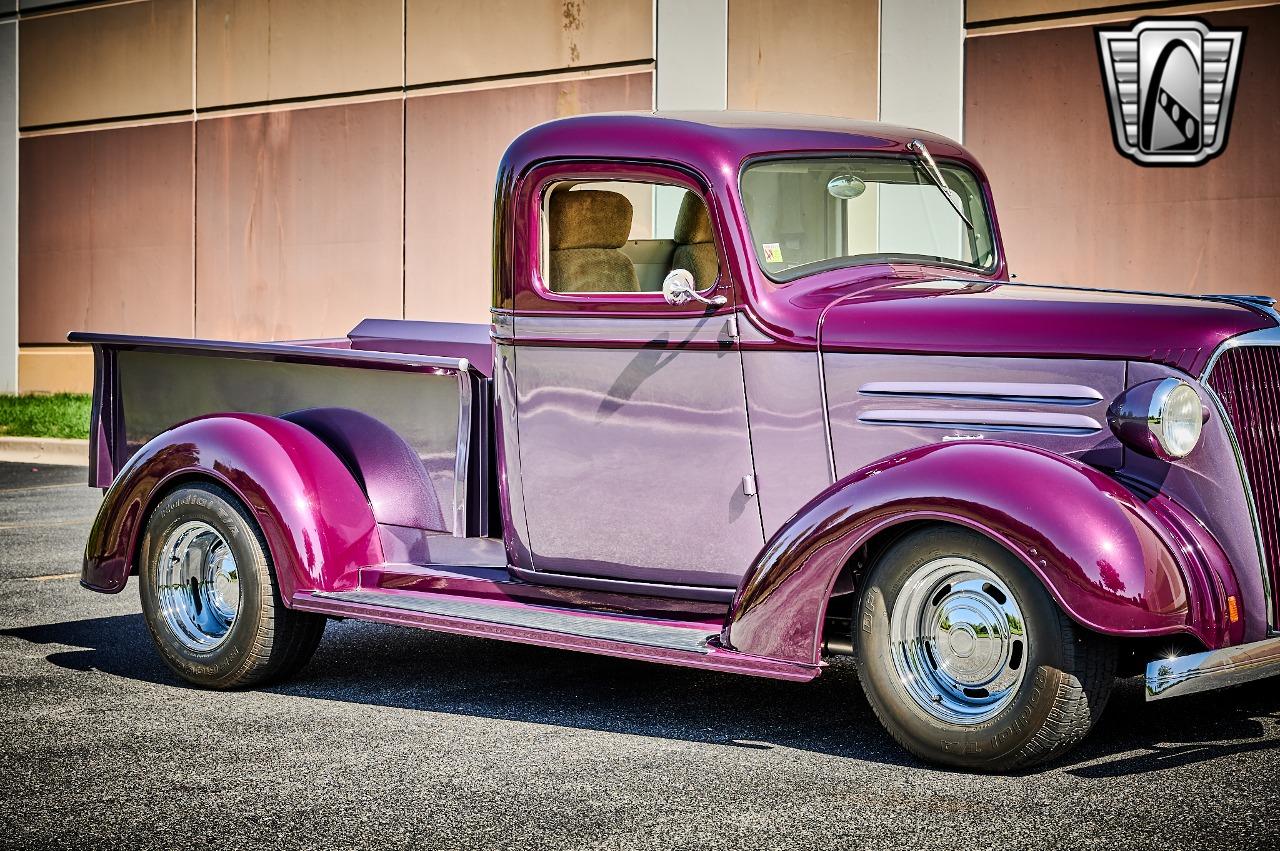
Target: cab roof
x=712, y=140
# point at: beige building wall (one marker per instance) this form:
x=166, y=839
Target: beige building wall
x=275, y=170
x=130, y=59
x=251, y=51
x=814, y=56
x=105, y=218
x=483, y=39
x=8, y=207
x=454, y=141
x=1073, y=210
x=990, y=16
x=298, y=221
x=246, y=169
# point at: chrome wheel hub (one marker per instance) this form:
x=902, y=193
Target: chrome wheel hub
x=198, y=586
x=958, y=641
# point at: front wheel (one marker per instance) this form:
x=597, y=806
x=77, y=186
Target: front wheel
x=210, y=597
x=967, y=661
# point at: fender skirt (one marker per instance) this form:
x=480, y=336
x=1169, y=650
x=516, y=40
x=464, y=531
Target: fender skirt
x=1113, y=564
x=318, y=524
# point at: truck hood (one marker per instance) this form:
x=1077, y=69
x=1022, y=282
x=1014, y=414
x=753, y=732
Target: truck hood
x=964, y=317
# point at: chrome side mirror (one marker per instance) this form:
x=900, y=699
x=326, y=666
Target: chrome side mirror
x=678, y=289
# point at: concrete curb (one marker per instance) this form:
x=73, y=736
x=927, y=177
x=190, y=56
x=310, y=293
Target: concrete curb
x=49, y=451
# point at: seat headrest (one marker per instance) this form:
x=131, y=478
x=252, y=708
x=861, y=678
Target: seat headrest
x=693, y=225
x=588, y=218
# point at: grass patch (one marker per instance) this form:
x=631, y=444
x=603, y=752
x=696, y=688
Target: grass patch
x=45, y=415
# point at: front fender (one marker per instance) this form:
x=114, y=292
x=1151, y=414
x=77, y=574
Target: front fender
x=1102, y=555
x=317, y=522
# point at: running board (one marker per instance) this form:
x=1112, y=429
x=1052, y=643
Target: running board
x=1214, y=669
x=691, y=644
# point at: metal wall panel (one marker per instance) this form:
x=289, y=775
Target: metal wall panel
x=298, y=221
x=249, y=51
x=1031, y=11
x=8, y=207
x=454, y=142
x=446, y=40
x=816, y=56
x=105, y=218
x=106, y=62
x=1073, y=209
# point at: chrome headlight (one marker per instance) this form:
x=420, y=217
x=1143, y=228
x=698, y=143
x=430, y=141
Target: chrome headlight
x=1161, y=418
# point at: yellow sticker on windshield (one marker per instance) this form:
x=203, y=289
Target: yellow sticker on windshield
x=772, y=252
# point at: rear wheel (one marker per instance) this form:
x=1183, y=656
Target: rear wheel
x=210, y=596
x=968, y=662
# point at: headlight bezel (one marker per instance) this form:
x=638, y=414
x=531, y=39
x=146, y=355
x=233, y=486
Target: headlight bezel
x=1141, y=418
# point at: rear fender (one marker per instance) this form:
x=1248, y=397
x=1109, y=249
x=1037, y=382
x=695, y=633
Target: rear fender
x=317, y=522
x=1106, y=559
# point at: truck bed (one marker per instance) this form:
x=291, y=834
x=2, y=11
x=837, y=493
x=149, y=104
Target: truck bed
x=426, y=381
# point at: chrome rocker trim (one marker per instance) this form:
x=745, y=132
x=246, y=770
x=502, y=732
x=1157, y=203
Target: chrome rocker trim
x=1213, y=669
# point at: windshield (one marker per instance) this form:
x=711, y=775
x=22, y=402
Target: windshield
x=809, y=215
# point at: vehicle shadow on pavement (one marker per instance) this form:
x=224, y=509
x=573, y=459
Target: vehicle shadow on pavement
x=1136, y=737
x=391, y=667
x=109, y=644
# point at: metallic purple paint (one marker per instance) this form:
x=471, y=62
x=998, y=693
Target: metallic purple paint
x=1108, y=562
x=716, y=659
x=409, y=336
x=601, y=403
x=318, y=524
x=1207, y=483
x=937, y=411
x=965, y=318
x=391, y=474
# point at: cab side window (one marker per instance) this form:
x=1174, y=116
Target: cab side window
x=619, y=236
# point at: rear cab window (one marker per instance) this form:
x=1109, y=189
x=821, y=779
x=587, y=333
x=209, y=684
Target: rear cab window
x=623, y=236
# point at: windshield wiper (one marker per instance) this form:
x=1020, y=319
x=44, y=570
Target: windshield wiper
x=935, y=174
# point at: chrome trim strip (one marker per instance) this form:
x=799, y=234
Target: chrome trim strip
x=268, y=351
x=822, y=382
x=624, y=586
x=502, y=325
x=1247, y=302
x=993, y=391
x=995, y=420
x=461, y=463
x=1264, y=337
x=667, y=330
x=1213, y=669
x=1261, y=303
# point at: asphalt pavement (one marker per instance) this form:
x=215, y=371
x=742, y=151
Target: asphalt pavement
x=395, y=738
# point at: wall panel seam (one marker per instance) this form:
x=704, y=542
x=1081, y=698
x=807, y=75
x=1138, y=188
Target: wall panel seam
x=390, y=92
x=1064, y=18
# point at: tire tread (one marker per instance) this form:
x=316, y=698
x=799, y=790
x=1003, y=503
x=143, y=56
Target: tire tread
x=284, y=640
x=1082, y=687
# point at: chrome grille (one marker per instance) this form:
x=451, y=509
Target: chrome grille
x=1247, y=381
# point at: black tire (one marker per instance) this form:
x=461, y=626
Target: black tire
x=265, y=641
x=1067, y=678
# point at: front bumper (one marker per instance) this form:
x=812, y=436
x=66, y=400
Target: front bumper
x=1213, y=669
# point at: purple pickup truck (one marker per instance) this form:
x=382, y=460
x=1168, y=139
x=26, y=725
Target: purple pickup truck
x=757, y=391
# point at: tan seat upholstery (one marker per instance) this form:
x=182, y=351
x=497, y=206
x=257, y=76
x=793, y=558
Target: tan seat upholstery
x=695, y=245
x=585, y=229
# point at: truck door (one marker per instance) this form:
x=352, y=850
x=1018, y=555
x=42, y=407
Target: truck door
x=635, y=460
